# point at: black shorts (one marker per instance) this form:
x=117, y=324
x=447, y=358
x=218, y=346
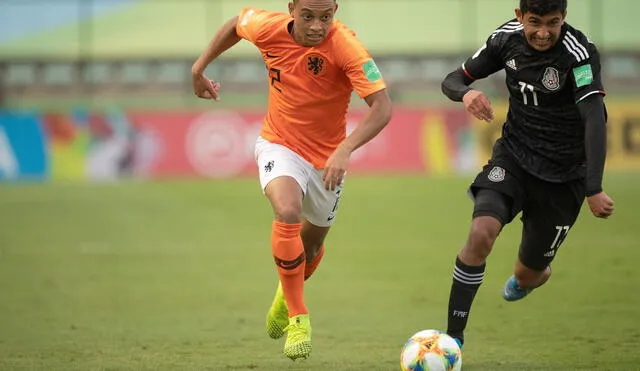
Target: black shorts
x=548, y=209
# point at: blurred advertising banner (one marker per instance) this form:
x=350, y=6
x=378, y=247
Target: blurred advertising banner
x=23, y=147
x=219, y=144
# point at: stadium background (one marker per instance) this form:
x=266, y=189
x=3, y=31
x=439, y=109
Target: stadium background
x=98, y=72
x=124, y=200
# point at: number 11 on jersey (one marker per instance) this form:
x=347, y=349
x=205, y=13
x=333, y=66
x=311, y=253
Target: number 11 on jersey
x=523, y=89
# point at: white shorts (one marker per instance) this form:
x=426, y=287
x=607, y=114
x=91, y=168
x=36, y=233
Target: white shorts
x=319, y=206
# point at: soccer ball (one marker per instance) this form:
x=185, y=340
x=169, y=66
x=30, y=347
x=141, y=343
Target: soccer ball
x=431, y=350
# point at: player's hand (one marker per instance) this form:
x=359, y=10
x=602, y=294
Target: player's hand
x=205, y=88
x=601, y=205
x=477, y=104
x=335, y=168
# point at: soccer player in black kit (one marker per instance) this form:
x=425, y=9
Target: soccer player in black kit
x=551, y=154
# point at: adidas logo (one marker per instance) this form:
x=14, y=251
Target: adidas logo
x=550, y=254
x=511, y=63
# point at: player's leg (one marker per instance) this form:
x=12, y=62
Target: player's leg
x=531, y=278
x=285, y=196
x=298, y=342
x=318, y=210
x=284, y=177
x=523, y=281
x=288, y=253
x=313, y=240
x=492, y=210
x=548, y=215
x=497, y=199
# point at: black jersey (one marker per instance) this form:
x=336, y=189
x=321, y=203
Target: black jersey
x=543, y=130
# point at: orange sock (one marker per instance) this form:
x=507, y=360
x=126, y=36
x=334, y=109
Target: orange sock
x=288, y=253
x=312, y=265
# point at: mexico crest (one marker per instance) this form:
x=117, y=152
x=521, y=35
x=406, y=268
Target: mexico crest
x=496, y=174
x=551, y=79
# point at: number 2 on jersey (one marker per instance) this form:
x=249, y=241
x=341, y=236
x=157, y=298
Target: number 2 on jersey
x=524, y=87
x=274, y=73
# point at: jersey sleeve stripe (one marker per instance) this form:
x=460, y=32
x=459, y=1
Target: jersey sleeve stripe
x=464, y=69
x=578, y=44
x=575, y=48
x=500, y=30
x=572, y=50
x=510, y=26
x=573, y=45
x=511, y=23
x=591, y=93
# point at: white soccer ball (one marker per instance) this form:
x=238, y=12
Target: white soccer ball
x=431, y=350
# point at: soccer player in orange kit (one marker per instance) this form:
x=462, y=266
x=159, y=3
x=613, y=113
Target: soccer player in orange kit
x=314, y=63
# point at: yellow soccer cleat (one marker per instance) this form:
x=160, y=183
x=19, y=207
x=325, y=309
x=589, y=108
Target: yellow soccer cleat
x=298, y=344
x=278, y=315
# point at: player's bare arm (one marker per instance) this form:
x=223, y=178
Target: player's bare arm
x=225, y=38
x=456, y=87
x=379, y=115
x=592, y=112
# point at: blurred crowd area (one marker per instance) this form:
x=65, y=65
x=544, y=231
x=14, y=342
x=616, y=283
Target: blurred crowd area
x=138, y=53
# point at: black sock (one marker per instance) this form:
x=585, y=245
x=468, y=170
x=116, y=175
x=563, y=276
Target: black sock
x=466, y=281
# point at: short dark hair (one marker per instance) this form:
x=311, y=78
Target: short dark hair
x=296, y=1
x=543, y=7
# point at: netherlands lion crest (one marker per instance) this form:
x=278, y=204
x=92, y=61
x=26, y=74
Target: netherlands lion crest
x=316, y=65
x=496, y=174
x=551, y=79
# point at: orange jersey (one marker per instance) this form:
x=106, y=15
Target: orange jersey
x=309, y=87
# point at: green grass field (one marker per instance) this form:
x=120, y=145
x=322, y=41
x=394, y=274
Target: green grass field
x=179, y=275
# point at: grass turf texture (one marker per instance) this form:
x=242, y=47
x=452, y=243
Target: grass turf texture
x=179, y=275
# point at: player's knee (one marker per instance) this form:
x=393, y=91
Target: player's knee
x=288, y=213
x=484, y=231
